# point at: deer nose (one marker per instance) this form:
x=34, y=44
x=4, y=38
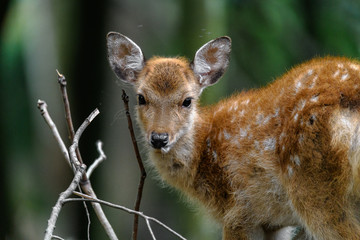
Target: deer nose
x=159, y=140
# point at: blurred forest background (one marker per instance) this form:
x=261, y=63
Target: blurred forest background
x=39, y=36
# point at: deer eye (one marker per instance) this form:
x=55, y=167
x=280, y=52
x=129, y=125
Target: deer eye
x=187, y=102
x=141, y=99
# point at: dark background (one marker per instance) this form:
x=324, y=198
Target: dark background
x=39, y=36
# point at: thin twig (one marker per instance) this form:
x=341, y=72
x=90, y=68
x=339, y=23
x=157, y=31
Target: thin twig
x=80, y=169
x=125, y=99
x=44, y=112
x=97, y=162
x=57, y=208
x=88, y=218
x=86, y=185
x=57, y=237
x=42, y=106
x=85, y=182
x=150, y=229
x=63, y=83
x=75, y=144
x=130, y=211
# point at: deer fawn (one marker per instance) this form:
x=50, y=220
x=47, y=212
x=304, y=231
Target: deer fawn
x=287, y=154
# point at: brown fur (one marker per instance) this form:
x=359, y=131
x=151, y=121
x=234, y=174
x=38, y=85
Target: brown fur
x=283, y=155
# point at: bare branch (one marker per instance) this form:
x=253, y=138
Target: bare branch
x=78, y=134
x=97, y=162
x=86, y=185
x=57, y=237
x=92, y=199
x=125, y=99
x=57, y=208
x=63, y=83
x=85, y=182
x=79, y=174
x=150, y=229
x=42, y=106
x=80, y=169
x=87, y=188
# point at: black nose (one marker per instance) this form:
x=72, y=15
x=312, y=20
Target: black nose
x=159, y=140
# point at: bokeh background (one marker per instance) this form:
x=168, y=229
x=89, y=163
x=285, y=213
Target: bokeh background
x=39, y=36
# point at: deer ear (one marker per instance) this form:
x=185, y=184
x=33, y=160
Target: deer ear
x=125, y=57
x=211, y=61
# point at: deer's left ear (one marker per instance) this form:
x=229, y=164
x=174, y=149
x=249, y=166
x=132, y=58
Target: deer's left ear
x=211, y=61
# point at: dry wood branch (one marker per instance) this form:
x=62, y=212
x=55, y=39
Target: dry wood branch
x=42, y=106
x=86, y=185
x=75, y=144
x=147, y=218
x=125, y=99
x=57, y=208
x=73, y=158
x=57, y=237
x=85, y=182
x=97, y=161
x=63, y=83
x=80, y=170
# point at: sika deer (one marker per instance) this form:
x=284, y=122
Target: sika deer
x=287, y=154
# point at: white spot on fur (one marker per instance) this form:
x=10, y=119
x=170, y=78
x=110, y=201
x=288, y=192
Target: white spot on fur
x=236, y=106
x=208, y=142
x=219, y=109
x=296, y=117
x=290, y=171
x=313, y=81
x=235, y=141
x=295, y=159
x=250, y=136
x=282, y=135
x=257, y=145
x=354, y=66
x=241, y=113
x=245, y=102
x=344, y=77
x=267, y=119
x=243, y=133
x=227, y=135
x=259, y=118
x=301, y=105
x=298, y=85
x=269, y=144
x=314, y=98
x=301, y=138
x=302, y=78
x=214, y=155
x=336, y=73
x=277, y=110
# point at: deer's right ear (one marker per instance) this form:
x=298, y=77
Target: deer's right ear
x=125, y=57
x=211, y=61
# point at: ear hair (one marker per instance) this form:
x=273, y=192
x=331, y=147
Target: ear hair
x=125, y=57
x=211, y=61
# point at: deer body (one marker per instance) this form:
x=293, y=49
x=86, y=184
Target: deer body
x=287, y=154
